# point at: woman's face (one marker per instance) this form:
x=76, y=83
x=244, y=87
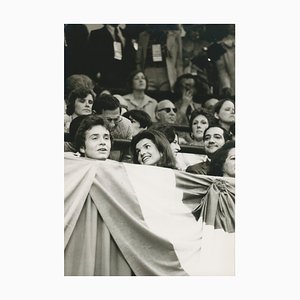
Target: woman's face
x=139, y=82
x=175, y=146
x=229, y=165
x=226, y=113
x=147, y=152
x=83, y=106
x=200, y=123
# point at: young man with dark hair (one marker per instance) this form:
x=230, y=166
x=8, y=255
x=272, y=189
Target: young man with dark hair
x=109, y=108
x=93, y=139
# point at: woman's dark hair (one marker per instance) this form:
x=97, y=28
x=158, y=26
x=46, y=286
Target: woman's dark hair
x=130, y=79
x=80, y=92
x=106, y=102
x=139, y=115
x=86, y=124
x=197, y=113
x=218, y=159
x=218, y=105
x=163, y=146
x=167, y=130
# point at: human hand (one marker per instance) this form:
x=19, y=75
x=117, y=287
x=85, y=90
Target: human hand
x=187, y=96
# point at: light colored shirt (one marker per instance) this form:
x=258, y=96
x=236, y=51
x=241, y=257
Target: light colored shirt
x=123, y=130
x=148, y=105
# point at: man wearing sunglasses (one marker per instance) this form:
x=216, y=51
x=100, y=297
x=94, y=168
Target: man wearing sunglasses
x=166, y=112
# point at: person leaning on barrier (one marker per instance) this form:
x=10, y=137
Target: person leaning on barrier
x=214, y=138
x=151, y=147
x=109, y=108
x=223, y=161
x=140, y=120
x=93, y=138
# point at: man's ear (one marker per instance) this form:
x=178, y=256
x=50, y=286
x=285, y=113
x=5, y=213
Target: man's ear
x=216, y=115
x=157, y=116
x=82, y=150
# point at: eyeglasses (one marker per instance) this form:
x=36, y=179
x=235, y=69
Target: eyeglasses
x=168, y=109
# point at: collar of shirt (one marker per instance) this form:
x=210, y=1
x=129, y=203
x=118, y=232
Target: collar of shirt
x=111, y=30
x=147, y=100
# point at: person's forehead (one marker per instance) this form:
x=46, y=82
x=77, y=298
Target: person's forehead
x=187, y=81
x=144, y=141
x=200, y=117
x=97, y=129
x=112, y=113
x=165, y=104
x=211, y=101
x=228, y=104
x=214, y=130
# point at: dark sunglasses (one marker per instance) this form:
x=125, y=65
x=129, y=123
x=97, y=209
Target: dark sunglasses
x=168, y=109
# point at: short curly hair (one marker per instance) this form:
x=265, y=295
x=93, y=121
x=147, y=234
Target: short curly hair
x=80, y=92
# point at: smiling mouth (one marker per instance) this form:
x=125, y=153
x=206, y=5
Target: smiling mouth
x=145, y=158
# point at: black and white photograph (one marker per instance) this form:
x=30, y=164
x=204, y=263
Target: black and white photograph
x=149, y=149
x=141, y=196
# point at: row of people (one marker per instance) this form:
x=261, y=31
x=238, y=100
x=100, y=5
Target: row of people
x=163, y=52
x=83, y=101
x=93, y=139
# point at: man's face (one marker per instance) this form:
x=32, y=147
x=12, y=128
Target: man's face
x=208, y=106
x=97, y=143
x=112, y=118
x=188, y=84
x=83, y=106
x=166, y=113
x=213, y=140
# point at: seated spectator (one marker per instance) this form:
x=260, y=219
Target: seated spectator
x=188, y=91
x=93, y=139
x=109, y=108
x=214, y=138
x=151, y=147
x=166, y=112
x=140, y=120
x=209, y=103
x=224, y=114
x=80, y=104
x=173, y=139
x=223, y=161
x=137, y=99
x=76, y=81
x=123, y=103
x=199, y=121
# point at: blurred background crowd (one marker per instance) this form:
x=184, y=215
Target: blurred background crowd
x=169, y=85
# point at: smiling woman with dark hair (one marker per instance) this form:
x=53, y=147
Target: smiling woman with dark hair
x=151, y=147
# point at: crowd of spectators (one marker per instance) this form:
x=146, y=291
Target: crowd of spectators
x=159, y=87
